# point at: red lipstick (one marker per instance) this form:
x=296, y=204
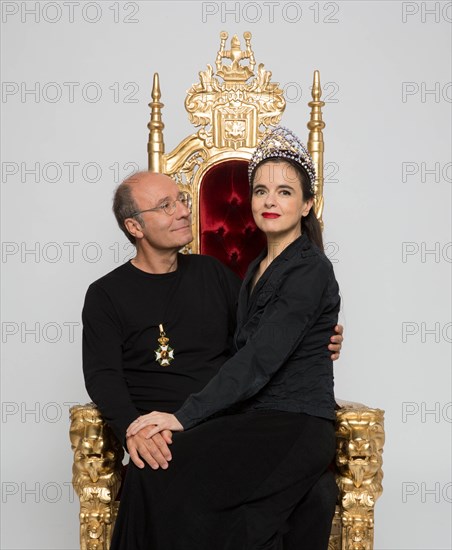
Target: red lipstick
x=270, y=215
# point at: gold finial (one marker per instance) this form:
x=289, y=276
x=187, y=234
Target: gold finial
x=316, y=143
x=156, y=145
x=235, y=43
x=235, y=71
x=316, y=89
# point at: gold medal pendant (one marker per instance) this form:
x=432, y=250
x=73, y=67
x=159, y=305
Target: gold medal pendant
x=164, y=354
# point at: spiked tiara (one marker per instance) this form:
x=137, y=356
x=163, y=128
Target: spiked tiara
x=281, y=143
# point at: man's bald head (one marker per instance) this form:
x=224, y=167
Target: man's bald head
x=144, y=179
x=124, y=200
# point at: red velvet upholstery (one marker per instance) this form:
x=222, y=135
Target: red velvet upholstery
x=226, y=227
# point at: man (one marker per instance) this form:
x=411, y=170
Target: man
x=159, y=327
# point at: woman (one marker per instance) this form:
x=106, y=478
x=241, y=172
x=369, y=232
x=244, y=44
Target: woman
x=235, y=480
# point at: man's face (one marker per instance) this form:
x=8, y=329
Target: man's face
x=161, y=231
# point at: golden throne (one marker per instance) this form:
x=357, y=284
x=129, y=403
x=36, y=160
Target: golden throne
x=232, y=107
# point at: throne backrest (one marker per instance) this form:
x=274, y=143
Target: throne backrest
x=232, y=107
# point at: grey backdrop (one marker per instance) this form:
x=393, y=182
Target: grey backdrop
x=76, y=80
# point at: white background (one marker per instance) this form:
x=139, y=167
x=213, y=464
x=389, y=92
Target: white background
x=378, y=62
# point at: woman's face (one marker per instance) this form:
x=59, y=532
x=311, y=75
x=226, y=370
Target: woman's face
x=277, y=201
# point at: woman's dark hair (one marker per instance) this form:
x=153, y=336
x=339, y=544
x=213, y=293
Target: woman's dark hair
x=309, y=224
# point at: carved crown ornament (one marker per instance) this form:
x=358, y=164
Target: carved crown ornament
x=232, y=104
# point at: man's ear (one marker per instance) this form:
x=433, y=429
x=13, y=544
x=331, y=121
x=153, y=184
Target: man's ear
x=307, y=207
x=133, y=227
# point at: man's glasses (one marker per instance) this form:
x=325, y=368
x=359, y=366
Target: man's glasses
x=169, y=207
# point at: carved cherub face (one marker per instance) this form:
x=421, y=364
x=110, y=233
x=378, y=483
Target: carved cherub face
x=360, y=438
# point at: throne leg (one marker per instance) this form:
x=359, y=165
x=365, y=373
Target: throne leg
x=360, y=440
x=96, y=523
x=96, y=475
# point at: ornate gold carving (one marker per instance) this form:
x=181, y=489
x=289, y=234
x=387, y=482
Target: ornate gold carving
x=231, y=112
x=96, y=475
x=186, y=174
x=360, y=440
x=316, y=144
x=235, y=72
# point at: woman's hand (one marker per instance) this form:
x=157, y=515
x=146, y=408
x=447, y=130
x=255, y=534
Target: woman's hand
x=159, y=420
x=336, y=342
